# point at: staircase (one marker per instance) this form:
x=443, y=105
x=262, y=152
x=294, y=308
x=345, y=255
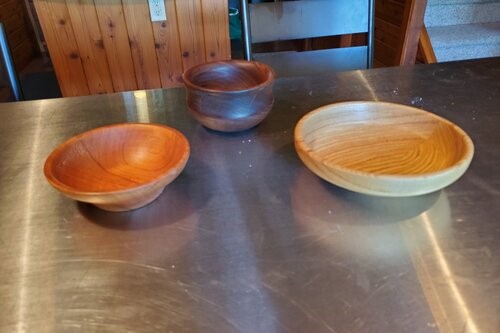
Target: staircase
x=463, y=29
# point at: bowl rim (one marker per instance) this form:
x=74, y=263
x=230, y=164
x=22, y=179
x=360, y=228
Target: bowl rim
x=49, y=162
x=464, y=160
x=271, y=75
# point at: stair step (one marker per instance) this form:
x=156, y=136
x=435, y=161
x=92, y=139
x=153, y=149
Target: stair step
x=455, y=13
x=465, y=41
x=456, y=2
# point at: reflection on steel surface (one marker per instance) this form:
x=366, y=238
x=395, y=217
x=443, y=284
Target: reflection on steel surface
x=367, y=85
x=375, y=229
x=31, y=197
x=142, y=106
x=470, y=324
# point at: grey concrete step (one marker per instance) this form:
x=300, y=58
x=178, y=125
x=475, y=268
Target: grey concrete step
x=465, y=41
x=456, y=13
x=456, y=2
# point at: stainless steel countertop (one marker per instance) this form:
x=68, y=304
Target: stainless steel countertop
x=247, y=239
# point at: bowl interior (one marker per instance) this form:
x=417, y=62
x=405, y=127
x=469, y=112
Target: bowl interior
x=383, y=139
x=116, y=158
x=232, y=75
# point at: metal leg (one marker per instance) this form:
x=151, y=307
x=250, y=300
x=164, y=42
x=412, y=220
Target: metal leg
x=371, y=32
x=246, y=30
x=9, y=65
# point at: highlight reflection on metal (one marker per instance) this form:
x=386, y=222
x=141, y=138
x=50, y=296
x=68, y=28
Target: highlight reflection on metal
x=367, y=85
x=31, y=197
x=142, y=106
x=333, y=224
x=470, y=324
x=136, y=105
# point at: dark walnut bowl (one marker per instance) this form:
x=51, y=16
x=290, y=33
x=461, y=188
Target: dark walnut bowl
x=118, y=167
x=231, y=95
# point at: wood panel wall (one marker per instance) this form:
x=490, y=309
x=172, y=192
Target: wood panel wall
x=104, y=46
x=19, y=32
x=398, y=24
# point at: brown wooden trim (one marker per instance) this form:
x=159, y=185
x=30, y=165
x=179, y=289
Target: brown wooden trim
x=413, y=22
x=425, y=47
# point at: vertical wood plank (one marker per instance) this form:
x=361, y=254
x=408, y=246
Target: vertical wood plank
x=168, y=49
x=142, y=43
x=88, y=37
x=345, y=40
x=386, y=54
x=216, y=29
x=55, y=22
x=391, y=11
x=190, y=22
x=116, y=43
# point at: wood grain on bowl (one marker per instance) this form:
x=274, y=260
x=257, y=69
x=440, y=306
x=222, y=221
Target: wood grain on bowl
x=231, y=95
x=118, y=167
x=382, y=148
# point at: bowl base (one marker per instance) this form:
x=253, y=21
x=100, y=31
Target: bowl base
x=131, y=204
x=230, y=125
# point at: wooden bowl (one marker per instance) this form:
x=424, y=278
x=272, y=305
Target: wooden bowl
x=231, y=95
x=382, y=149
x=118, y=167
